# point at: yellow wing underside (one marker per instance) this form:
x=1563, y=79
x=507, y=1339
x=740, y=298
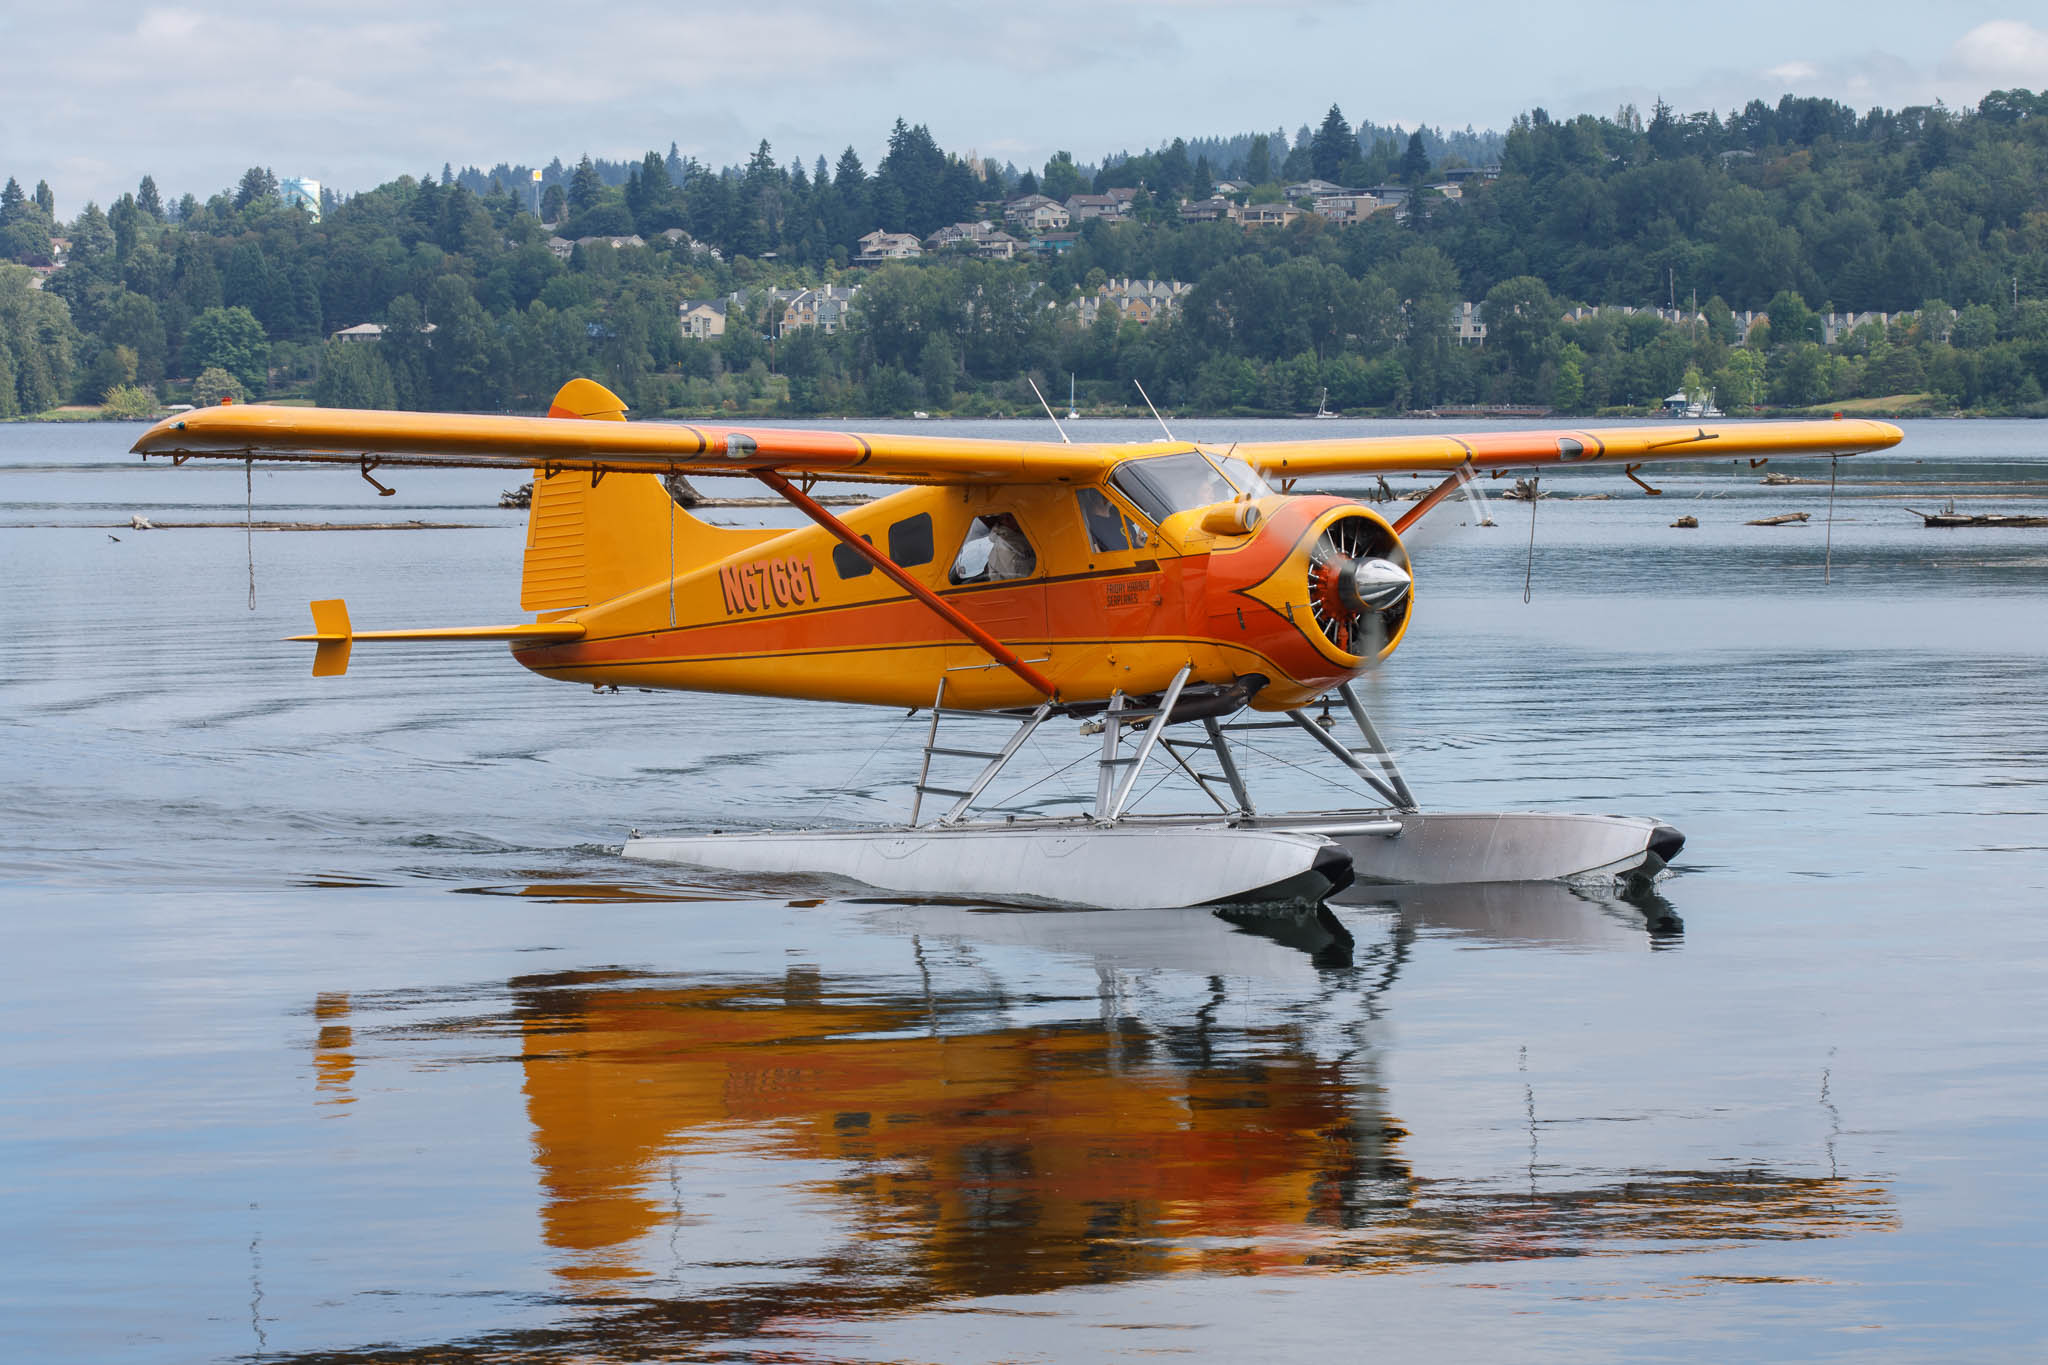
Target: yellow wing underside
x=401, y=439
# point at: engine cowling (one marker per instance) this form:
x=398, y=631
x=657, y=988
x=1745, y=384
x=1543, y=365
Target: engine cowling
x=1360, y=585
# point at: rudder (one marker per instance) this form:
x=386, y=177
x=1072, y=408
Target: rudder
x=592, y=538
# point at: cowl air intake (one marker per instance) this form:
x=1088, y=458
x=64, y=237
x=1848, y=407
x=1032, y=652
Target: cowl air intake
x=1359, y=584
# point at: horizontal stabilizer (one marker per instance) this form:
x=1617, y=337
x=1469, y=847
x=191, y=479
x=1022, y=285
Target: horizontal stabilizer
x=333, y=636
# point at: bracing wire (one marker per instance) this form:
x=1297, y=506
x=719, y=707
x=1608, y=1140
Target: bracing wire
x=827, y=793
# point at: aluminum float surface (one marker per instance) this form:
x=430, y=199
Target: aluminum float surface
x=1451, y=848
x=1127, y=866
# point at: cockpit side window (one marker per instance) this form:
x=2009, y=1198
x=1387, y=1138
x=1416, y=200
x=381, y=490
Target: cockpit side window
x=1249, y=481
x=1161, y=485
x=1108, y=527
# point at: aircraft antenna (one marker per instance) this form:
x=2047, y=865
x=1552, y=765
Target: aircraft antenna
x=1155, y=411
x=1048, y=410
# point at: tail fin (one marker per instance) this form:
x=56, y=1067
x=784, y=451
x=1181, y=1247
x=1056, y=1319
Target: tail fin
x=592, y=538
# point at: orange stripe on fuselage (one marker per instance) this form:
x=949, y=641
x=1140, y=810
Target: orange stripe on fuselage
x=1165, y=609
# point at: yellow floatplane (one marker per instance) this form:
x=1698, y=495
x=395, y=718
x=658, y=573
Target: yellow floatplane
x=1137, y=586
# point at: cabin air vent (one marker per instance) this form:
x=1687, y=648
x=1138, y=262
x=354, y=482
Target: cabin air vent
x=1569, y=450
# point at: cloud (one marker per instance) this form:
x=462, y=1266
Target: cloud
x=354, y=92
x=2003, y=52
x=1791, y=72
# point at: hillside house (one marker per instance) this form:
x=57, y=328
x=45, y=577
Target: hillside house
x=701, y=319
x=823, y=308
x=1310, y=189
x=880, y=248
x=1267, y=215
x=1035, y=213
x=1139, y=301
x=1082, y=207
x=1347, y=207
x=1468, y=324
x=959, y=235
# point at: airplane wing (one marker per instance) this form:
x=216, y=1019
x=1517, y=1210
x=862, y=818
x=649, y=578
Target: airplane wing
x=373, y=440
x=1526, y=449
x=396, y=440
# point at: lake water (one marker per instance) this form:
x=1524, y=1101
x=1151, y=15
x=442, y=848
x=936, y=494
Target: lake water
x=335, y=1028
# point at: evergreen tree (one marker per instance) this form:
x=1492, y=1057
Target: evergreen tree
x=1062, y=179
x=585, y=187
x=1415, y=161
x=1332, y=146
x=147, y=200
x=258, y=186
x=46, y=199
x=1258, y=162
x=92, y=238
x=11, y=200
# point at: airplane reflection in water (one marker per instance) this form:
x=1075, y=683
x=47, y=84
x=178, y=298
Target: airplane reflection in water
x=1171, y=1093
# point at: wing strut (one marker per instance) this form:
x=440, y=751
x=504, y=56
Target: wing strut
x=946, y=612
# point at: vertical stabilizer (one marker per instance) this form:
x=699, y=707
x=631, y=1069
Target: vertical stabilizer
x=590, y=539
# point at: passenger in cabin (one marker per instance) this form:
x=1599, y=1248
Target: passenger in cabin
x=995, y=551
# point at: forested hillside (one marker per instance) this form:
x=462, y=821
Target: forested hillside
x=1796, y=210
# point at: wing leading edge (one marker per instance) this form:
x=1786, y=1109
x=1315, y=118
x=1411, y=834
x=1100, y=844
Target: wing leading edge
x=1525, y=449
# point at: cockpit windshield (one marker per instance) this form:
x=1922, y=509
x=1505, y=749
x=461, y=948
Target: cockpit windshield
x=1161, y=485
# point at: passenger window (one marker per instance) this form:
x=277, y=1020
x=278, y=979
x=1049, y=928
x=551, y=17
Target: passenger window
x=995, y=551
x=910, y=540
x=849, y=561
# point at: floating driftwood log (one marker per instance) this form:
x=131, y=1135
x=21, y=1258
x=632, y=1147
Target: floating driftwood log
x=1948, y=517
x=1782, y=519
x=1686, y=524
x=1525, y=490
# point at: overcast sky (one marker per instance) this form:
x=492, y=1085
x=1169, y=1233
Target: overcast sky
x=94, y=94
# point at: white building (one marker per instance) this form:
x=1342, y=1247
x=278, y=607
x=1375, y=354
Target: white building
x=301, y=192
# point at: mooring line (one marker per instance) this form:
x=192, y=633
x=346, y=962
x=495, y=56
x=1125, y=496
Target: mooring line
x=1827, y=573
x=1529, y=569
x=249, y=524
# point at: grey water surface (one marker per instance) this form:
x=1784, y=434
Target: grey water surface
x=334, y=1028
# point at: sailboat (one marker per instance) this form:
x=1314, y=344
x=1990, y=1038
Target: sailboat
x=1323, y=404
